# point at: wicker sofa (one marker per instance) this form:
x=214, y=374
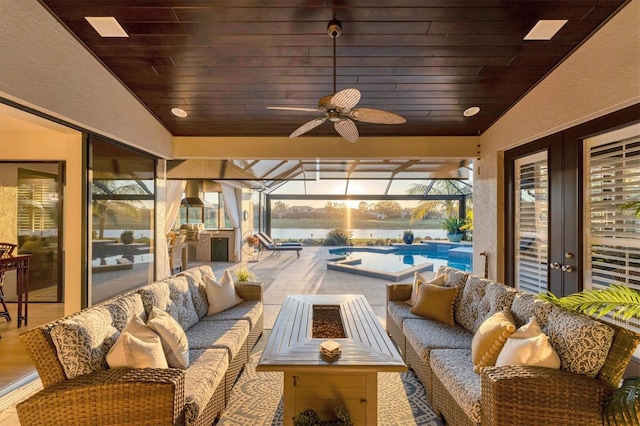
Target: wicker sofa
x=80, y=389
x=593, y=358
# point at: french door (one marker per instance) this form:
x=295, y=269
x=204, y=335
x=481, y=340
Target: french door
x=544, y=199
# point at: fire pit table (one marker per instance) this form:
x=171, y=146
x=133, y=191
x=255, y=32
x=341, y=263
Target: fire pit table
x=316, y=381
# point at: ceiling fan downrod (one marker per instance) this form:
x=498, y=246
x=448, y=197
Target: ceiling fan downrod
x=334, y=29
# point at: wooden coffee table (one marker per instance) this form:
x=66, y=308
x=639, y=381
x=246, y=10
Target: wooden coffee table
x=315, y=381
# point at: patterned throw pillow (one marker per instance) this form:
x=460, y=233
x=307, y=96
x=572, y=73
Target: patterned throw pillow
x=137, y=347
x=124, y=308
x=582, y=343
x=490, y=338
x=172, y=296
x=419, y=279
x=221, y=294
x=480, y=299
x=436, y=302
x=528, y=345
x=82, y=342
x=195, y=279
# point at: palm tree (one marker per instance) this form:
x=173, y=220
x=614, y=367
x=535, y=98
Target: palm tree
x=442, y=208
x=280, y=208
x=106, y=209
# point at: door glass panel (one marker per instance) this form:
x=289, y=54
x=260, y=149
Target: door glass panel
x=531, y=222
x=38, y=219
x=612, y=201
x=122, y=221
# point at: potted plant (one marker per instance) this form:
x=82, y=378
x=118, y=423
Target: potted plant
x=454, y=227
x=407, y=237
x=310, y=417
x=620, y=301
x=244, y=275
x=127, y=236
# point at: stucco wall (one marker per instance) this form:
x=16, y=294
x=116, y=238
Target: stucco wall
x=602, y=76
x=44, y=67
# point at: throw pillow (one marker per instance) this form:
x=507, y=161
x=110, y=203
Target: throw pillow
x=528, y=345
x=221, y=294
x=174, y=341
x=137, y=347
x=419, y=279
x=490, y=338
x=435, y=302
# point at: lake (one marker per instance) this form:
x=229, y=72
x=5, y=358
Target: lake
x=374, y=234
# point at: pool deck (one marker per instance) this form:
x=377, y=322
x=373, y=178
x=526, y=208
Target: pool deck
x=287, y=274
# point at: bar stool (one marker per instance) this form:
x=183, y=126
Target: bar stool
x=6, y=249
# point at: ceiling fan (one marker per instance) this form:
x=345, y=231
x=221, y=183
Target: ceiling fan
x=339, y=107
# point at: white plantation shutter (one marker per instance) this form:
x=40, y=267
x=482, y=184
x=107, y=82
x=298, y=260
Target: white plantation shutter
x=531, y=235
x=612, y=178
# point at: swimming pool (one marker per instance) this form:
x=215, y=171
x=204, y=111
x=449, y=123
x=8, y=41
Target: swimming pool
x=400, y=261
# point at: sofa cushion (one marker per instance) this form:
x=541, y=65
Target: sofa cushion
x=436, y=302
x=174, y=341
x=490, y=338
x=529, y=346
x=454, y=277
x=195, y=279
x=219, y=334
x=221, y=294
x=418, y=280
x=480, y=299
x=250, y=310
x=172, y=296
x=425, y=335
x=582, y=343
x=526, y=305
x=206, y=371
x=454, y=369
x=124, y=308
x=137, y=347
x=400, y=311
x=83, y=341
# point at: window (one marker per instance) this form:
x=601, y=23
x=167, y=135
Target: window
x=612, y=178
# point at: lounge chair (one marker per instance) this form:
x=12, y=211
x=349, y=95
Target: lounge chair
x=270, y=240
x=265, y=245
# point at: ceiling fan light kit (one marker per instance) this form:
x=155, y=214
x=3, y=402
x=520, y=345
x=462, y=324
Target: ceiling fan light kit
x=339, y=107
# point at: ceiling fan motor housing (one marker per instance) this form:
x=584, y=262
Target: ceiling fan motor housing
x=334, y=28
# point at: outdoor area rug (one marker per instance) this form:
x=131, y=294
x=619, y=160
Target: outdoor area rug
x=256, y=399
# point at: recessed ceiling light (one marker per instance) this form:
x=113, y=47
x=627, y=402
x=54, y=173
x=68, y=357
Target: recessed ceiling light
x=179, y=112
x=545, y=29
x=471, y=111
x=106, y=26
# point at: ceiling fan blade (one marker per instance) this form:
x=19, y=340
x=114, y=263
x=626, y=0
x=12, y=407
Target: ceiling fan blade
x=346, y=99
x=285, y=108
x=307, y=126
x=376, y=116
x=347, y=129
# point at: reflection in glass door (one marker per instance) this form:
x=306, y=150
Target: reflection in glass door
x=531, y=222
x=38, y=223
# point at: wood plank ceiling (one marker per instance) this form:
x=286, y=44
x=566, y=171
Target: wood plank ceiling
x=224, y=61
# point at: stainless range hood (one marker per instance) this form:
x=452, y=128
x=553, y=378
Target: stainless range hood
x=194, y=195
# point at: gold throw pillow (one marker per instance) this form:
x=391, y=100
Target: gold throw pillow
x=490, y=338
x=436, y=302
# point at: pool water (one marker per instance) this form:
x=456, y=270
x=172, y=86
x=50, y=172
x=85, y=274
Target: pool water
x=399, y=261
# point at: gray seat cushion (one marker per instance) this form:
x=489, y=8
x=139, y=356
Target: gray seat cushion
x=400, y=311
x=454, y=369
x=206, y=371
x=230, y=334
x=250, y=310
x=427, y=334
